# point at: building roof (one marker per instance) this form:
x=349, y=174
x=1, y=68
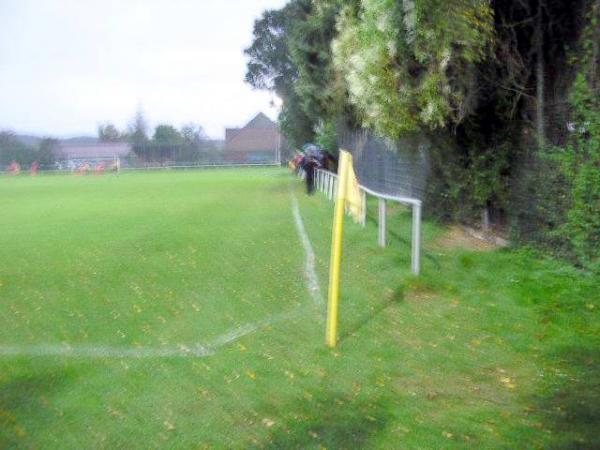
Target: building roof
x=261, y=121
x=93, y=151
x=260, y=134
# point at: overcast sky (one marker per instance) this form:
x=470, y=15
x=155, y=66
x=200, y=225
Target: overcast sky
x=67, y=65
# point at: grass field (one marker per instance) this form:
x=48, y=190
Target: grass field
x=171, y=310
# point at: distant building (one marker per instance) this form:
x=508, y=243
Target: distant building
x=75, y=154
x=259, y=141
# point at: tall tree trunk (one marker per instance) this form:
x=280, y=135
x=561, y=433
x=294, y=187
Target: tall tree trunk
x=540, y=80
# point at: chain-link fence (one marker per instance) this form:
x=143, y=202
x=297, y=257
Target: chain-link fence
x=389, y=167
x=182, y=155
x=541, y=186
x=514, y=185
x=126, y=156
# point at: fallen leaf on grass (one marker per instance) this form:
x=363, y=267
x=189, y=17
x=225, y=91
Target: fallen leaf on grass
x=268, y=422
x=115, y=412
x=432, y=395
x=508, y=382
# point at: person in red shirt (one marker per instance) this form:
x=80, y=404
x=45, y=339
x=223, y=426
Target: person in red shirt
x=14, y=168
x=34, y=169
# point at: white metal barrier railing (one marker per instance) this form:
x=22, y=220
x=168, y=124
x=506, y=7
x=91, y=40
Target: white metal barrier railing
x=326, y=182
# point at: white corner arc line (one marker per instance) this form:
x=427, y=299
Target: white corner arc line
x=180, y=351
x=310, y=274
x=102, y=351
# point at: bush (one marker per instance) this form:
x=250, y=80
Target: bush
x=579, y=163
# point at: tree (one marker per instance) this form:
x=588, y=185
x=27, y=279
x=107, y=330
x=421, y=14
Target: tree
x=321, y=94
x=138, y=135
x=166, y=142
x=291, y=55
x=270, y=66
x=196, y=145
x=47, y=151
x=107, y=132
x=193, y=134
x=12, y=149
x=410, y=65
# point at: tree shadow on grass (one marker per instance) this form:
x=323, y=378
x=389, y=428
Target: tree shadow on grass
x=394, y=237
x=329, y=421
x=21, y=397
x=396, y=297
x=571, y=409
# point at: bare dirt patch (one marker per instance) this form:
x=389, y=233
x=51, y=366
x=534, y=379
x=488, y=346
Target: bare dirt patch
x=458, y=237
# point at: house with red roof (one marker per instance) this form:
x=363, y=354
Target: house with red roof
x=259, y=141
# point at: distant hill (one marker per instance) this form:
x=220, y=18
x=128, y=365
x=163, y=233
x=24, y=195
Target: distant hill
x=28, y=140
x=33, y=141
x=80, y=140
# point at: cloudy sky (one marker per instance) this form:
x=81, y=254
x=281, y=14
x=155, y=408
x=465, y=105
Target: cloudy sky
x=67, y=65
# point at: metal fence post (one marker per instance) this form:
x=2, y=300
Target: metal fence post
x=363, y=219
x=382, y=217
x=416, y=238
x=317, y=179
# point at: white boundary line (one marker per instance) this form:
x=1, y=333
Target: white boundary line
x=180, y=351
x=310, y=274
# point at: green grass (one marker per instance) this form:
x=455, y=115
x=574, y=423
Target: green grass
x=485, y=349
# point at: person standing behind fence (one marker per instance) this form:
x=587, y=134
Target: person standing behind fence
x=309, y=164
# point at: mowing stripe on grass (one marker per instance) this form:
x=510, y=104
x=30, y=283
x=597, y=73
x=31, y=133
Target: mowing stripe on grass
x=309, y=266
x=180, y=351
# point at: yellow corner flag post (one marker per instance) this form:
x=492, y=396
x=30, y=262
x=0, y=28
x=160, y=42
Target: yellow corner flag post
x=347, y=190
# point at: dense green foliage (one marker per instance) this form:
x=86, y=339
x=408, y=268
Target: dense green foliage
x=410, y=65
x=11, y=149
x=484, y=350
x=491, y=84
x=580, y=161
x=565, y=187
x=107, y=132
x=578, y=164
x=291, y=55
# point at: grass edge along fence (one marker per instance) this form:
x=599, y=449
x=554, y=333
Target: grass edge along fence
x=327, y=183
x=202, y=166
x=147, y=167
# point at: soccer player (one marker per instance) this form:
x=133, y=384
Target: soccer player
x=14, y=168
